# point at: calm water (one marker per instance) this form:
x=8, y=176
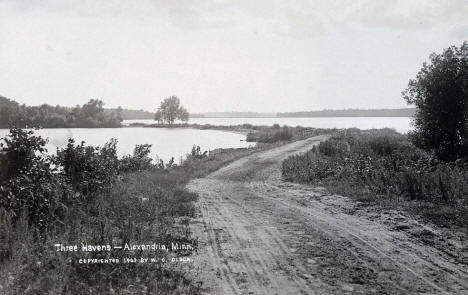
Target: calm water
x=401, y=124
x=166, y=143
x=177, y=143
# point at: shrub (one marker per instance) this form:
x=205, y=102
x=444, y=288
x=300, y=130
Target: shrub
x=270, y=135
x=21, y=149
x=89, y=170
x=197, y=154
x=30, y=186
x=380, y=162
x=41, y=204
x=139, y=161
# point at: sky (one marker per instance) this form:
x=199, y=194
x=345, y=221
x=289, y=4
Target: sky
x=222, y=55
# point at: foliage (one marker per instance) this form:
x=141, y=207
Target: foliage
x=440, y=92
x=90, y=115
x=197, y=154
x=28, y=184
x=139, y=161
x=19, y=149
x=270, y=135
x=128, y=114
x=11, y=113
x=89, y=170
x=381, y=163
x=275, y=133
x=171, y=110
x=86, y=194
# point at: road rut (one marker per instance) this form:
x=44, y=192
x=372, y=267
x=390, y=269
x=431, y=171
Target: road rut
x=261, y=235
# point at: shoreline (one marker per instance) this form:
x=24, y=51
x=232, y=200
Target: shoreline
x=237, y=129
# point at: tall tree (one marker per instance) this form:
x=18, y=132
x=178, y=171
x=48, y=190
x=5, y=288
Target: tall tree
x=170, y=110
x=158, y=116
x=440, y=94
x=93, y=108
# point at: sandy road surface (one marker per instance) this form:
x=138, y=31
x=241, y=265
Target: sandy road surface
x=261, y=235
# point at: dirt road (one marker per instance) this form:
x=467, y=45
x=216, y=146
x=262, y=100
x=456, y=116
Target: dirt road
x=261, y=235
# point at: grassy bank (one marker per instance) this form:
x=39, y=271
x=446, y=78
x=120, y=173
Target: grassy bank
x=254, y=133
x=87, y=195
x=276, y=133
x=381, y=166
x=241, y=129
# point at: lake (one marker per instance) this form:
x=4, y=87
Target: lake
x=400, y=124
x=166, y=143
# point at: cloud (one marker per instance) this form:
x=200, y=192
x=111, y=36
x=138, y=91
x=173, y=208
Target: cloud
x=269, y=18
x=388, y=13
x=190, y=18
x=234, y=53
x=415, y=14
x=460, y=33
x=300, y=26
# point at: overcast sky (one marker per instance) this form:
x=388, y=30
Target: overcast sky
x=222, y=55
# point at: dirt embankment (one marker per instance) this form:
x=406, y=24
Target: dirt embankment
x=260, y=235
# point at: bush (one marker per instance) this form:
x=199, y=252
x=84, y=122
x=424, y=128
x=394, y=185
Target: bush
x=197, y=154
x=19, y=151
x=380, y=163
x=139, y=161
x=29, y=185
x=42, y=203
x=89, y=170
x=270, y=135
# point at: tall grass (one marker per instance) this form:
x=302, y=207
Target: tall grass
x=87, y=195
x=380, y=164
x=275, y=133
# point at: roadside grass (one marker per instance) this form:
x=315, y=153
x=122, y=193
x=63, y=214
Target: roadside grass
x=110, y=202
x=255, y=133
x=382, y=167
x=276, y=133
x=142, y=207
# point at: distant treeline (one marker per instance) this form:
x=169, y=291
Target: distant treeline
x=89, y=115
x=127, y=114
x=406, y=112
x=233, y=115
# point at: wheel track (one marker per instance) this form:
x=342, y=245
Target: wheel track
x=286, y=248
x=255, y=276
x=246, y=186
x=217, y=217
x=356, y=234
x=218, y=265
x=301, y=284
x=363, y=243
x=276, y=237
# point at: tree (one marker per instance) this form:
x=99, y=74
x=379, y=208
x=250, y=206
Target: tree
x=171, y=110
x=91, y=114
x=440, y=94
x=93, y=108
x=158, y=116
x=11, y=113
